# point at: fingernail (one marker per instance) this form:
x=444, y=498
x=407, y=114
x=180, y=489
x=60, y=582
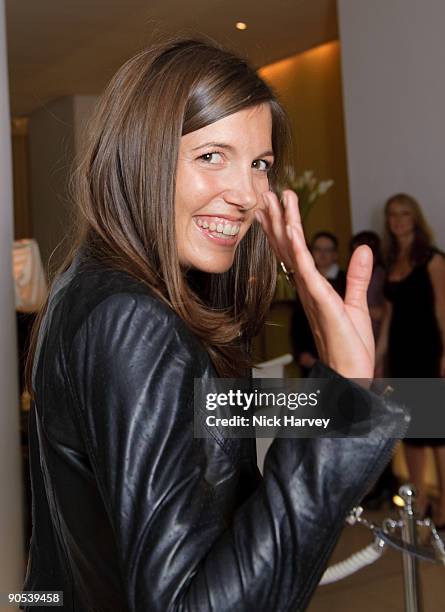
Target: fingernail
x=363, y=256
x=266, y=201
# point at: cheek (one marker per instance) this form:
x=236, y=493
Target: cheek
x=205, y=185
x=195, y=189
x=262, y=184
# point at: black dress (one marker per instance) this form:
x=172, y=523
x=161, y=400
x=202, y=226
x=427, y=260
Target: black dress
x=414, y=343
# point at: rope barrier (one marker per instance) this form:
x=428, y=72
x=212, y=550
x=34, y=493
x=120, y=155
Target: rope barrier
x=354, y=563
x=382, y=538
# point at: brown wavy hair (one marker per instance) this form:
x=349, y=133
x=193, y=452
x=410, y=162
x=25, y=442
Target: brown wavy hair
x=124, y=189
x=423, y=237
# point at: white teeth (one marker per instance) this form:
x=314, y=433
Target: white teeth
x=224, y=229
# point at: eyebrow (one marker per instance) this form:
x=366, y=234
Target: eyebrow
x=221, y=145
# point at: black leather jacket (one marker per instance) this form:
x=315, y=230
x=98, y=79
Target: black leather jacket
x=130, y=511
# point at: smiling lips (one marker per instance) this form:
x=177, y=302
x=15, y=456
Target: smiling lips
x=218, y=228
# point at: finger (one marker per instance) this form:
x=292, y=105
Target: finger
x=308, y=278
x=358, y=277
x=293, y=220
x=275, y=211
x=292, y=209
x=304, y=262
x=266, y=224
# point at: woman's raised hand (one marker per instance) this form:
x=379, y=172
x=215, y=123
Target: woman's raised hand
x=342, y=328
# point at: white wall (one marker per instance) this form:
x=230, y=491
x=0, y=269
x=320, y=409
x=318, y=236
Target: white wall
x=393, y=55
x=11, y=510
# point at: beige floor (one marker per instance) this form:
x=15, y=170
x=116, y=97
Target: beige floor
x=378, y=587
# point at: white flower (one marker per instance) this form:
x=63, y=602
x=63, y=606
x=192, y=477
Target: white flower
x=309, y=189
x=323, y=186
x=307, y=176
x=313, y=196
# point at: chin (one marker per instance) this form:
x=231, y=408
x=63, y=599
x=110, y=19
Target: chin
x=214, y=267
x=212, y=263
x=212, y=259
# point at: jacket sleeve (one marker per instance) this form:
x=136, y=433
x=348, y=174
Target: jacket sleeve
x=132, y=370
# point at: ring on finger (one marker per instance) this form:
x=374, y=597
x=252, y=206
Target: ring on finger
x=287, y=273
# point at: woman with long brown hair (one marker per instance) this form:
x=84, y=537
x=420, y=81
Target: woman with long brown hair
x=171, y=277
x=412, y=336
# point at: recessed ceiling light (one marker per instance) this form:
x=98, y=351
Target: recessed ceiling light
x=240, y=25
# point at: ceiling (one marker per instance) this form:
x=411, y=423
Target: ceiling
x=58, y=48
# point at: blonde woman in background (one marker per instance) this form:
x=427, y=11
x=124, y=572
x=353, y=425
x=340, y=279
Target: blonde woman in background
x=412, y=335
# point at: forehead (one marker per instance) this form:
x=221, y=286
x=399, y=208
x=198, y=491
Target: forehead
x=396, y=207
x=250, y=127
x=324, y=241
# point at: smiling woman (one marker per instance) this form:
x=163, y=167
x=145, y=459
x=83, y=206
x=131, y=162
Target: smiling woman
x=144, y=153
x=172, y=274
x=222, y=174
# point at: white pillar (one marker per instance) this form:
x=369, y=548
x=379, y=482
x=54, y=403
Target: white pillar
x=394, y=95
x=11, y=510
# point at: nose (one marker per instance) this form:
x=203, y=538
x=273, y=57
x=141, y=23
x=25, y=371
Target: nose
x=241, y=192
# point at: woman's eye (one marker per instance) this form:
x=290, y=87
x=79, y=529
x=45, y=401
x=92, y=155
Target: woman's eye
x=211, y=158
x=261, y=164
